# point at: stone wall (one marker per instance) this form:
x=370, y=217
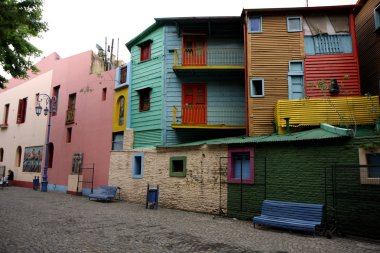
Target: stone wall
x=199, y=191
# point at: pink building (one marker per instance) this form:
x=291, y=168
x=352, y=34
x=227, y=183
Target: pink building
x=81, y=127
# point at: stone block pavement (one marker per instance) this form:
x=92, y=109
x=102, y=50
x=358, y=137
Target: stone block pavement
x=33, y=221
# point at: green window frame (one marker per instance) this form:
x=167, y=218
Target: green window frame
x=178, y=166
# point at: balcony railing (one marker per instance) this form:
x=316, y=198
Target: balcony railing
x=334, y=111
x=199, y=116
x=194, y=114
x=209, y=57
x=70, y=116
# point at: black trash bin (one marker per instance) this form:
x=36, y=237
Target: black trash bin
x=36, y=183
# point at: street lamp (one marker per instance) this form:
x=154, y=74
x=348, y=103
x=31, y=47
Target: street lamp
x=47, y=111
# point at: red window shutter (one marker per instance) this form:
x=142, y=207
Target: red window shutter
x=145, y=52
x=25, y=102
x=123, y=75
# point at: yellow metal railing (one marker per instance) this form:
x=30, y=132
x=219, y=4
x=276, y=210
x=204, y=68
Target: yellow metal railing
x=334, y=111
x=209, y=57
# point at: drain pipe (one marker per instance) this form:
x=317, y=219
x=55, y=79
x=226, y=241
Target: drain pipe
x=287, y=119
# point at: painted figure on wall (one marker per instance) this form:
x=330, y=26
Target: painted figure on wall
x=77, y=163
x=32, y=159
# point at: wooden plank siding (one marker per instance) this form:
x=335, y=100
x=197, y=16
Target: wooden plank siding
x=342, y=67
x=147, y=125
x=368, y=48
x=268, y=56
x=225, y=93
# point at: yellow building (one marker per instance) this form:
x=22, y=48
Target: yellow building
x=120, y=115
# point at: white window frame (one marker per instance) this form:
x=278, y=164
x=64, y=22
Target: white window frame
x=261, y=24
x=251, y=87
x=294, y=30
x=364, y=179
x=376, y=16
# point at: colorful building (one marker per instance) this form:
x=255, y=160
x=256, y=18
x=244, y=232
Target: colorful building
x=368, y=36
x=22, y=133
x=303, y=69
x=187, y=83
x=81, y=123
x=187, y=80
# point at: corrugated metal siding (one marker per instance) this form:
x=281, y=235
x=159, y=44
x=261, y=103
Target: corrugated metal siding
x=325, y=132
x=334, y=111
x=269, y=53
x=368, y=48
x=327, y=67
x=148, y=74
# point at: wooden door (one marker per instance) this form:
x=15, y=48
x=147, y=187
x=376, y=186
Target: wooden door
x=194, y=50
x=194, y=104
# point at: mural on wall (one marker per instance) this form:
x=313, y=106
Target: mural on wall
x=32, y=159
x=77, y=163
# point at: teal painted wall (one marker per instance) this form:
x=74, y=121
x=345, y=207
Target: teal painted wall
x=147, y=125
x=296, y=172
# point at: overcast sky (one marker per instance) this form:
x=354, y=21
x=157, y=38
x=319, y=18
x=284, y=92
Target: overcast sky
x=77, y=25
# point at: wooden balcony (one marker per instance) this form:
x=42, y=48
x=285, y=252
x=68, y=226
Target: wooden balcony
x=208, y=59
x=340, y=111
x=195, y=117
x=70, y=116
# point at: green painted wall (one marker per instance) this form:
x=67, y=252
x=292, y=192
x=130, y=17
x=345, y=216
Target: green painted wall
x=148, y=125
x=296, y=172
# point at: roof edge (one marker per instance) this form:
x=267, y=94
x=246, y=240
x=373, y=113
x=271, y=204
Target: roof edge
x=337, y=130
x=312, y=8
x=148, y=30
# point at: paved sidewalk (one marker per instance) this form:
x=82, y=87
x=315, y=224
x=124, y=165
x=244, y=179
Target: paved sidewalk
x=56, y=222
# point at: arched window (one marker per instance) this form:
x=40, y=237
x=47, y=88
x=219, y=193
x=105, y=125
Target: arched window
x=51, y=155
x=121, y=104
x=18, y=156
x=1, y=154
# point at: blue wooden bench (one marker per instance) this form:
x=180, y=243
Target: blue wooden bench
x=104, y=193
x=290, y=215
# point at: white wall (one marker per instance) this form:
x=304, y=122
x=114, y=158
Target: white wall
x=30, y=133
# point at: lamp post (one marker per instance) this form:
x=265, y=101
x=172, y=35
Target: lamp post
x=47, y=112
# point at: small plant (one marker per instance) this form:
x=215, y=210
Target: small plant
x=370, y=147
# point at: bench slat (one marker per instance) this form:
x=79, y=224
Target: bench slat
x=290, y=215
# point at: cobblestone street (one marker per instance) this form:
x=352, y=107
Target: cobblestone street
x=32, y=221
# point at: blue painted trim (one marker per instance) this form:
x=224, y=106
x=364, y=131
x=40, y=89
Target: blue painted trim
x=164, y=103
x=376, y=16
x=134, y=175
x=251, y=87
x=117, y=78
x=58, y=188
x=300, y=24
x=86, y=191
x=129, y=80
x=296, y=72
x=261, y=24
x=291, y=73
